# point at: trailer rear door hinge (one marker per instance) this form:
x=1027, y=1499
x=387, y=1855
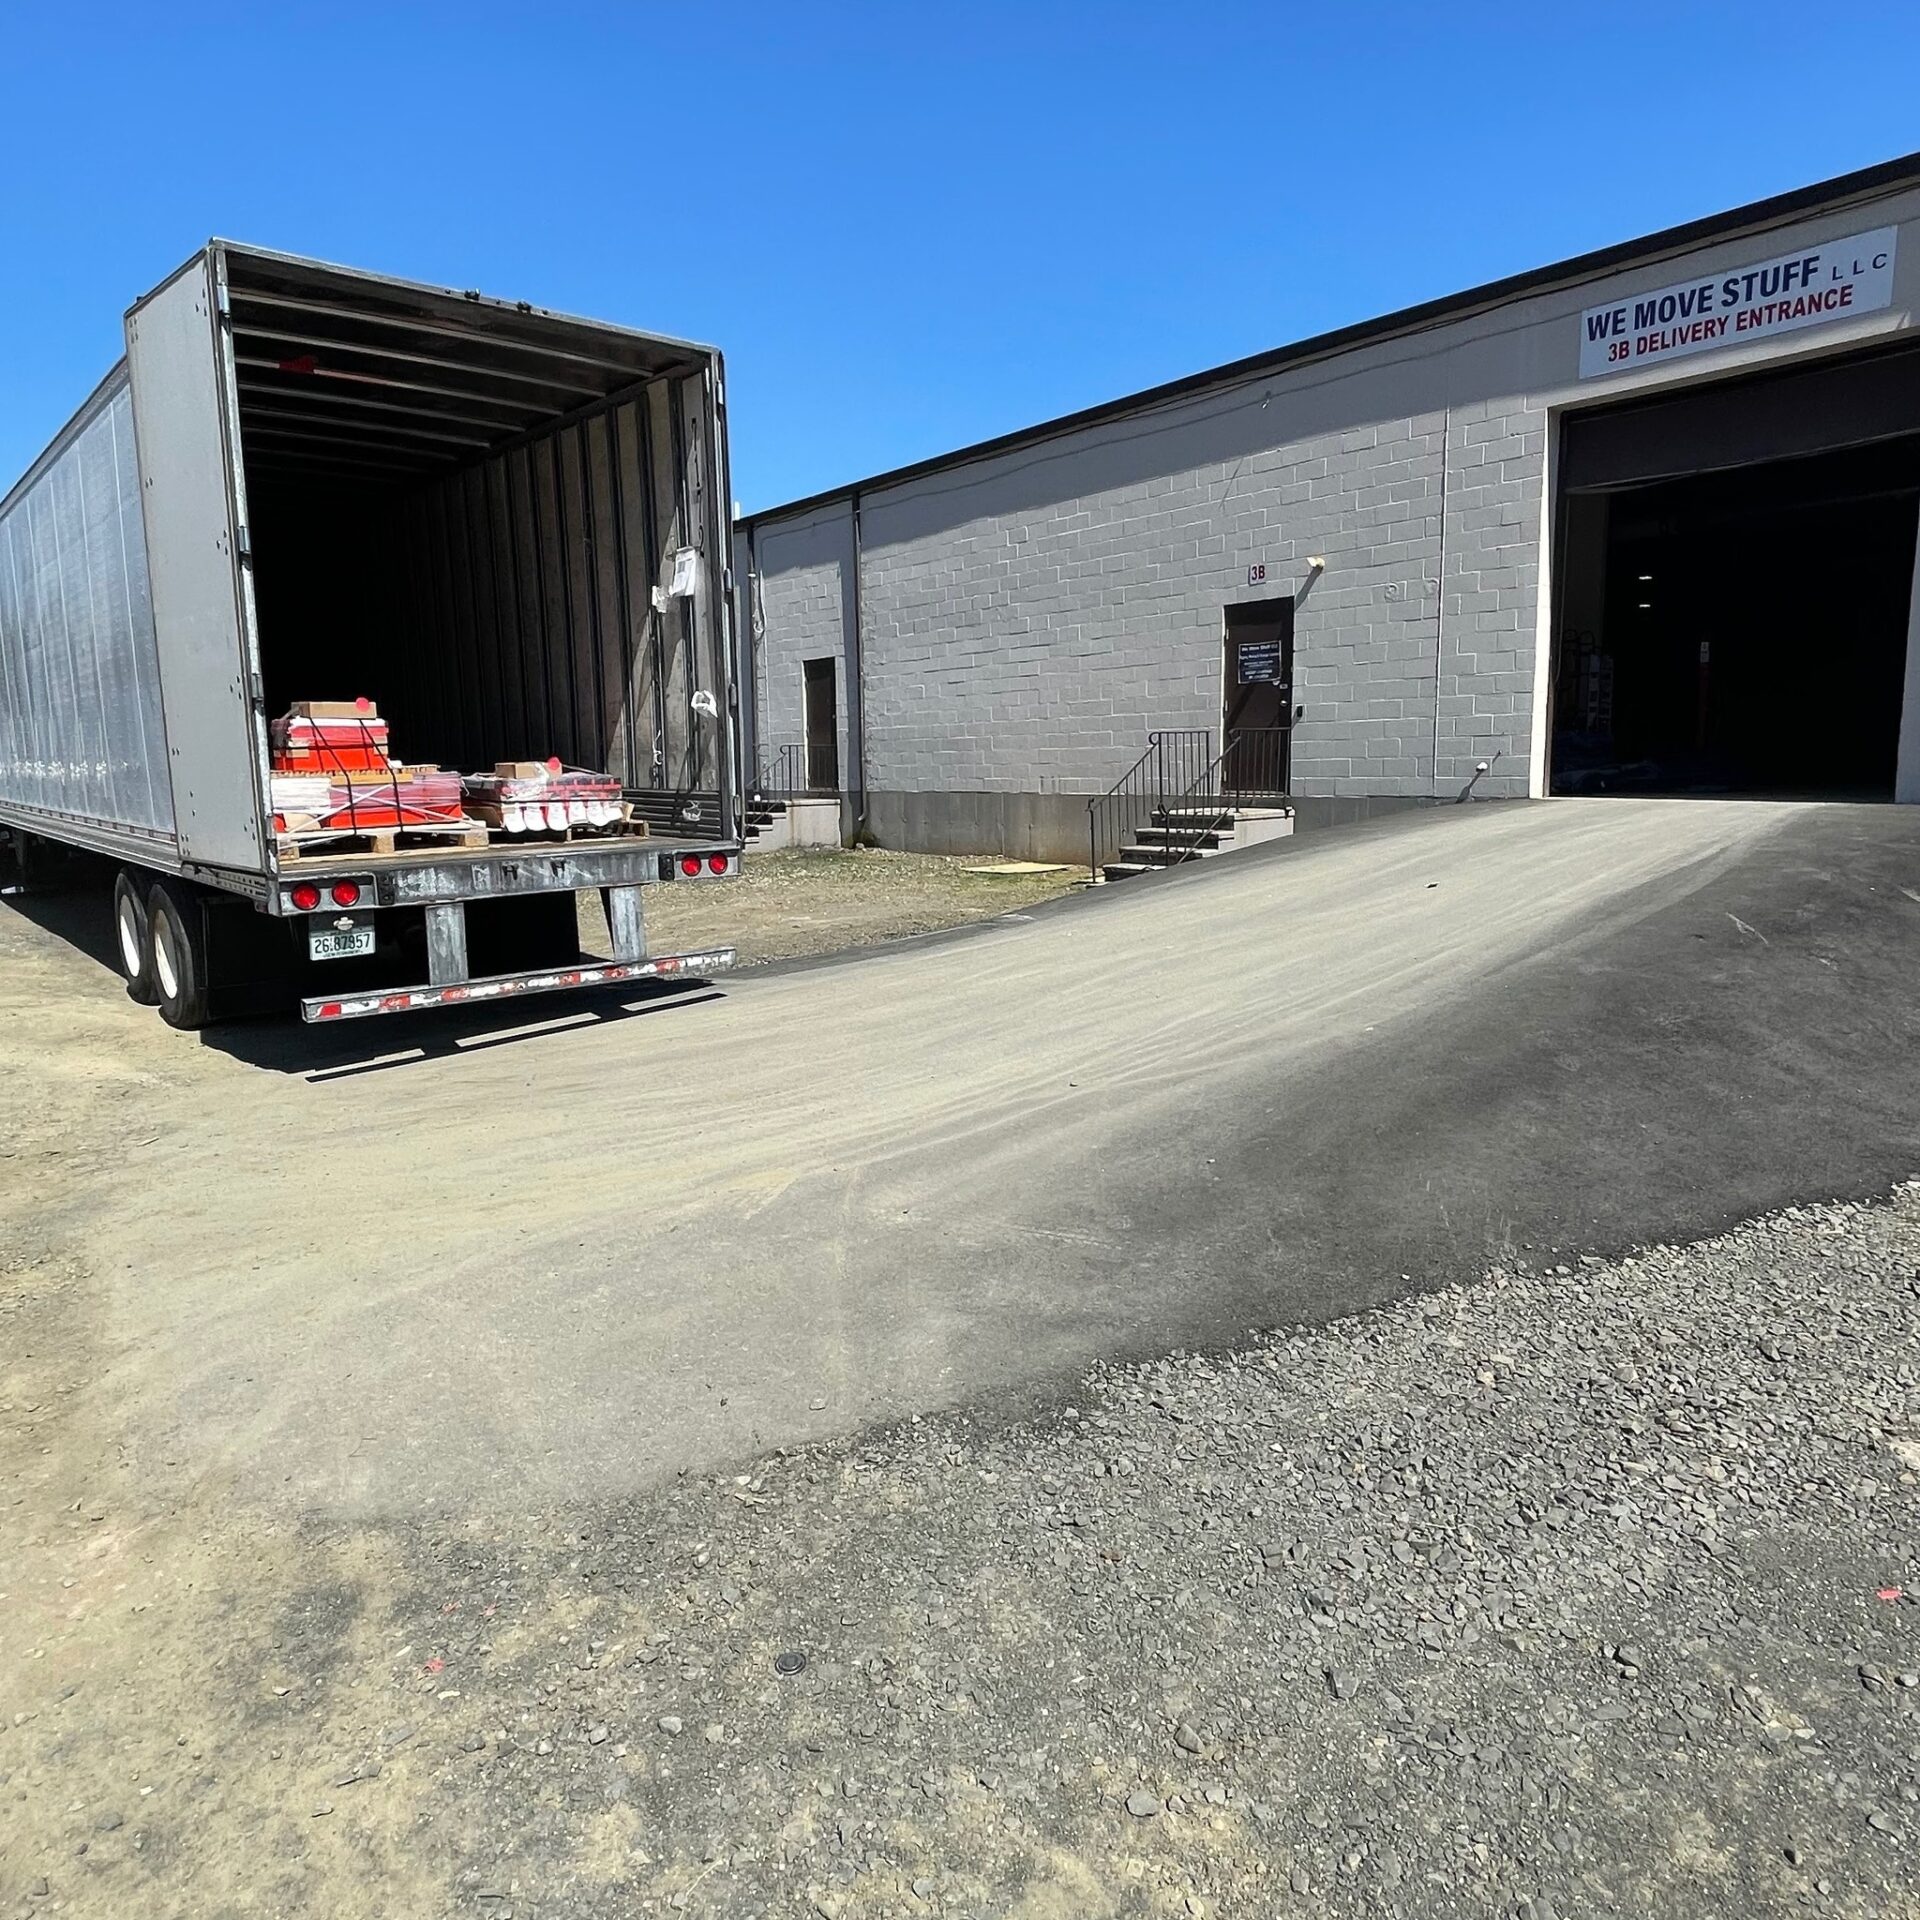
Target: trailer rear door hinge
x=243, y=544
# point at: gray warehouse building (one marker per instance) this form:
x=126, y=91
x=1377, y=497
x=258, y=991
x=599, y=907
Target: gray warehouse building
x=1644, y=521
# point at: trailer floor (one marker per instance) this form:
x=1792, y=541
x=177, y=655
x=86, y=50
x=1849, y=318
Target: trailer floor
x=419, y=1443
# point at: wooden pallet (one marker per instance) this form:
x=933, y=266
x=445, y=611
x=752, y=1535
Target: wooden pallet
x=471, y=837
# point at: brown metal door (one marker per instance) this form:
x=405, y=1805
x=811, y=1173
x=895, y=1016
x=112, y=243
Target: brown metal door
x=823, y=728
x=1258, y=706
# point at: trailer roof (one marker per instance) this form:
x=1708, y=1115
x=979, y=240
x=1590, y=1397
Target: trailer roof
x=430, y=364
x=359, y=369
x=447, y=303
x=1864, y=184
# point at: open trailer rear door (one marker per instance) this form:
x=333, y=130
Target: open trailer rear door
x=180, y=362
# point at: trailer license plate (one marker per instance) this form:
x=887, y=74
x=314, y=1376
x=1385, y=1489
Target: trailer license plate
x=338, y=943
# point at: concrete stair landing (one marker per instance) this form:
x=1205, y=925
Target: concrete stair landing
x=1176, y=835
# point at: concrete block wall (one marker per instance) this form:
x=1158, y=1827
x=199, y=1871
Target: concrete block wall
x=1490, y=595
x=1365, y=631
x=1032, y=649
x=1035, y=651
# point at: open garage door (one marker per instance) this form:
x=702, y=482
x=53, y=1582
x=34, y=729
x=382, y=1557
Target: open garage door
x=1735, y=571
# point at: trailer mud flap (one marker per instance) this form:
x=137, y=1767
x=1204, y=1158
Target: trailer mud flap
x=511, y=986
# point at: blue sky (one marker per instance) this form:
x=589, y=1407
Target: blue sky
x=908, y=226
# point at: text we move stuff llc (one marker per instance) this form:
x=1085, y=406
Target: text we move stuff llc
x=1800, y=289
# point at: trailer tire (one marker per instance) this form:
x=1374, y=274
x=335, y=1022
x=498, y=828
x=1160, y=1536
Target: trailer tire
x=177, y=944
x=133, y=937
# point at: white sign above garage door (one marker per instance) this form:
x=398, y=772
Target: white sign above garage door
x=1802, y=289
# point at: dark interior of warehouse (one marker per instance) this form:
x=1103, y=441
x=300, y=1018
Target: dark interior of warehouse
x=1737, y=631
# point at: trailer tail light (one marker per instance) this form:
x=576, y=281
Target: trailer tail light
x=698, y=866
x=346, y=893
x=305, y=897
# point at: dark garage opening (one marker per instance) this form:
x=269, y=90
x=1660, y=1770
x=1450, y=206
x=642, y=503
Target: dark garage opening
x=1738, y=631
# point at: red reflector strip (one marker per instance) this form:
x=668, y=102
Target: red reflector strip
x=511, y=986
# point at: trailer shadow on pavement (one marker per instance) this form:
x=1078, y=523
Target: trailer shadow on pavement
x=79, y=914
x=283, y=1044
x=78, y=911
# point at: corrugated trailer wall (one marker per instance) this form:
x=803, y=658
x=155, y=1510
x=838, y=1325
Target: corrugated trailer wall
x=81, y=735
x=530, y=577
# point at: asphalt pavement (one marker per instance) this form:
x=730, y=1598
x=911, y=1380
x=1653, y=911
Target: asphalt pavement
x=346, y=1275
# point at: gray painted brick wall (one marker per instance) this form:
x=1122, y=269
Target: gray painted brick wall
x=1036, y=652
x=1490, y=594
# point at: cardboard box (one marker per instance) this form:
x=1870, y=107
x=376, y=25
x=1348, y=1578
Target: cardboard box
x=335, y=710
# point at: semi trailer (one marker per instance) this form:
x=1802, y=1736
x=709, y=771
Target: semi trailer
x=311, y=489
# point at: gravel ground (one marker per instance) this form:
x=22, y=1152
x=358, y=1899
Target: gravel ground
x=1589, y=1588
x=1584, y=1590
x=788, y=905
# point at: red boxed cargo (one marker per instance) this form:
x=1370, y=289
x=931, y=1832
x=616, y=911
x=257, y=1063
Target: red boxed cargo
x=336, y=740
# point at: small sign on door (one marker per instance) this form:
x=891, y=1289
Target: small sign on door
x=1258, y=663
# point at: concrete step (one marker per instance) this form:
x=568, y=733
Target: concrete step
x=1226, y=815
x=1156, y=855
x=1230, y=831
x=1180, y=834
x=1187, y=835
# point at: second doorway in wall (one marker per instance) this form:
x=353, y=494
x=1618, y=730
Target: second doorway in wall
x=823, y=727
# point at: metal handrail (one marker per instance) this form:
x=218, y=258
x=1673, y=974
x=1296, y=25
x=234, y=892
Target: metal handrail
x=1172, y=755
x=781, y=773
x=1252, y=765
x=1256, y=763
x=823, y=768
